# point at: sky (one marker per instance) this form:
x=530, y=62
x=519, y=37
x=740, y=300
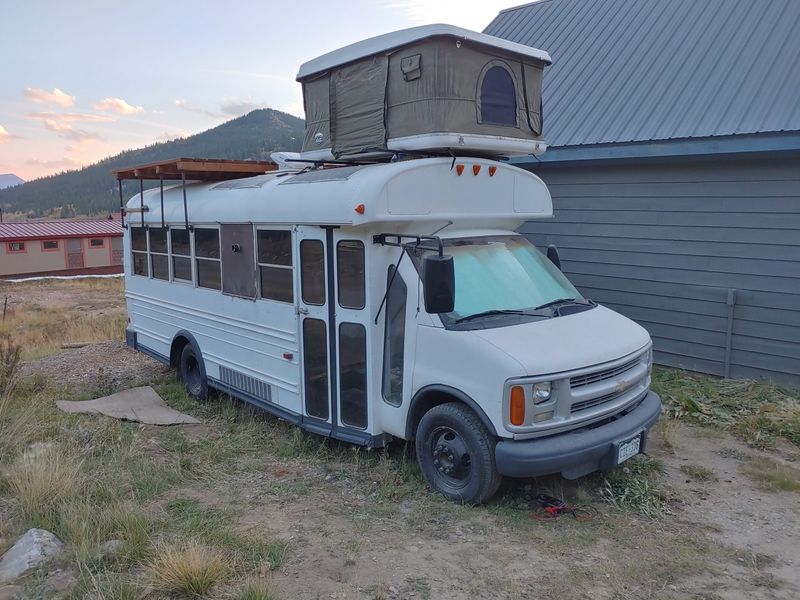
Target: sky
x=81, y=80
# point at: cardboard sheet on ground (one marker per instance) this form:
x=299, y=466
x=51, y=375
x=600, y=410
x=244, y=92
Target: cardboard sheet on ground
x=141, y=404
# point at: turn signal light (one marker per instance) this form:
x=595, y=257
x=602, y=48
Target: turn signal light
x=476, y=169
x=517, y=405
x=360, y=209
x=492, y=171
x=459, y=169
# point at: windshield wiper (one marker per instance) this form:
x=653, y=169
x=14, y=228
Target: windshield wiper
x=490, y=313
x=558, y=301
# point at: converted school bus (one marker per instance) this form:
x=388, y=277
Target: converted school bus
x=60, y=248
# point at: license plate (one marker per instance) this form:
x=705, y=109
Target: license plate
x=628, y=449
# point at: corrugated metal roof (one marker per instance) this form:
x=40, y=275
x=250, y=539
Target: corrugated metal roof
x=639, y=70
x=36, y=230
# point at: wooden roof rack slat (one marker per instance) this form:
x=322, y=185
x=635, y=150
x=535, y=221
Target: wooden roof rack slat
x=197, y=169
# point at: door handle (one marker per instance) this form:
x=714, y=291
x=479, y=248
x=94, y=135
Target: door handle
x=301, y=310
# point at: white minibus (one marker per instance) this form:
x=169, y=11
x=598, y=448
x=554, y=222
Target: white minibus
x=373, y=302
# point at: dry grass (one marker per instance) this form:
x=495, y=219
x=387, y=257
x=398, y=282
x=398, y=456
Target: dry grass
x=42, y=480
x=258, y=589
x=772, y=475
x=41, y=331
x=190, y=568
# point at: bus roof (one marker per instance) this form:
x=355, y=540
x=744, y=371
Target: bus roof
x=469, y=190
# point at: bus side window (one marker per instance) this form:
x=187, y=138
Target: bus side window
x=159, y=261
x=393, y=341
x=350, y=269
x=180, y=247
x=139, y=250
x=275, y=264
x=207, y=257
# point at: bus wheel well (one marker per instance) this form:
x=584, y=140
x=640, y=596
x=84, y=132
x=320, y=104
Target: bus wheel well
x=175, y=351
x=428, y=397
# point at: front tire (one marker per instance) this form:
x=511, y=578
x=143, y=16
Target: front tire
x=456, y=454
x=193, y=373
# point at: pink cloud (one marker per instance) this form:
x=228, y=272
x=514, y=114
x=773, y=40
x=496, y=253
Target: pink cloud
x=57, y=96
x=68, y=117
x=5, y=136
x=60, y=163
x=118, y=105
x=70, y=133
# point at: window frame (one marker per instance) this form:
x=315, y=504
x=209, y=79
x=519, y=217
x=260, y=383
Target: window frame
x=56, y=242
x=22, y=250
x=479, y=95
x=196, y=258
x=289, y=267
x=173, y=256
x=323, y=266
x=145, y=252
x=151, y=253
x=93, y=246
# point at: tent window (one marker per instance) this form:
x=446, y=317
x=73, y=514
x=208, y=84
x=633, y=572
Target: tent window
x=498, y=99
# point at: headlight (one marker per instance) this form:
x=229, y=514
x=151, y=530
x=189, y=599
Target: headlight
x=541, y=392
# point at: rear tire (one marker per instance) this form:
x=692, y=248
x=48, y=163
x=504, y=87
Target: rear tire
x=456, y=454
x=193, y=373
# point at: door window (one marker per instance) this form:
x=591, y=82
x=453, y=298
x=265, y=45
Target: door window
x=350, y=269
x=312, y=272
x=393, y=342
x=315, y=367
x=353, y=374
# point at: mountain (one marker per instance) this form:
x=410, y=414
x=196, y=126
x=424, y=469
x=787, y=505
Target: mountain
x=93, y=190
x=9, y=179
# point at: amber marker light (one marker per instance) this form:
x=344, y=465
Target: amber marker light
x=492, y=171
x=459, y=169
x=517, y=405
x=360, y=209
x=476, y=169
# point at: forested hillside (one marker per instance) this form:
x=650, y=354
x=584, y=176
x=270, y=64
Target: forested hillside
x=93, y=190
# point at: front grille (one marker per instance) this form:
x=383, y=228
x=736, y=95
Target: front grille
x=592, y=402
x=589, y=378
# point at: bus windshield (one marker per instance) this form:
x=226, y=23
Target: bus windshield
x=494, y=274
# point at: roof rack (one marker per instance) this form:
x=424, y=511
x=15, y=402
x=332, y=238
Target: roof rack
x=186, y=169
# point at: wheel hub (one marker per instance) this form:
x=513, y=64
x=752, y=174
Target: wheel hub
x=450, y=455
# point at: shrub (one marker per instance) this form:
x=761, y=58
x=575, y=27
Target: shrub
x=191, y=568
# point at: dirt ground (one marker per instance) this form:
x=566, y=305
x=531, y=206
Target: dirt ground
x=725, y=537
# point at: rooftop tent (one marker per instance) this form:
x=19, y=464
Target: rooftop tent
x=430, y=88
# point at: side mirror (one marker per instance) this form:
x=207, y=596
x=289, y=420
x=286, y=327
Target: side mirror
x=439, y=283
x=552, y=254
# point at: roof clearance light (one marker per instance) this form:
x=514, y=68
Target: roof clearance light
x=360, y=209
x=459, y=169
x=517, y=408
x=476, y=169
x=492, y=171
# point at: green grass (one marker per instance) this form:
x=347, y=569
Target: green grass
x=758, y=412
x=636, y=486
x=699, y=472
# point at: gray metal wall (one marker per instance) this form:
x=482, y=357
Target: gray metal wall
x=705, y=255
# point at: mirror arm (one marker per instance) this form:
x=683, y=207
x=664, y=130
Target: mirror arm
x=389, y=285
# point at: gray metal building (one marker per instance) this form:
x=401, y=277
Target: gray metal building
x=674, y=164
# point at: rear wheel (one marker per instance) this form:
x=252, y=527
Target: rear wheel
x=192, y=372
x=456, y=454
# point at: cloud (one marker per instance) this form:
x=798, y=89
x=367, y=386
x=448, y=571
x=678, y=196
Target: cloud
x=70, y=133
x=5, y=136
x=202, y=111
x=118, y=105
x=236, y=107
x=61, y=163
x=55, y=97
x=68, y=117
x=294, y=108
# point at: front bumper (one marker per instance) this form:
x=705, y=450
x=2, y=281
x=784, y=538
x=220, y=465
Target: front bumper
x=577, y=453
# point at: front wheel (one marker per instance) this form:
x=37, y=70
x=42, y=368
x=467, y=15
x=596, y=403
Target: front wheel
x=456, y=454
x=192, y=373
